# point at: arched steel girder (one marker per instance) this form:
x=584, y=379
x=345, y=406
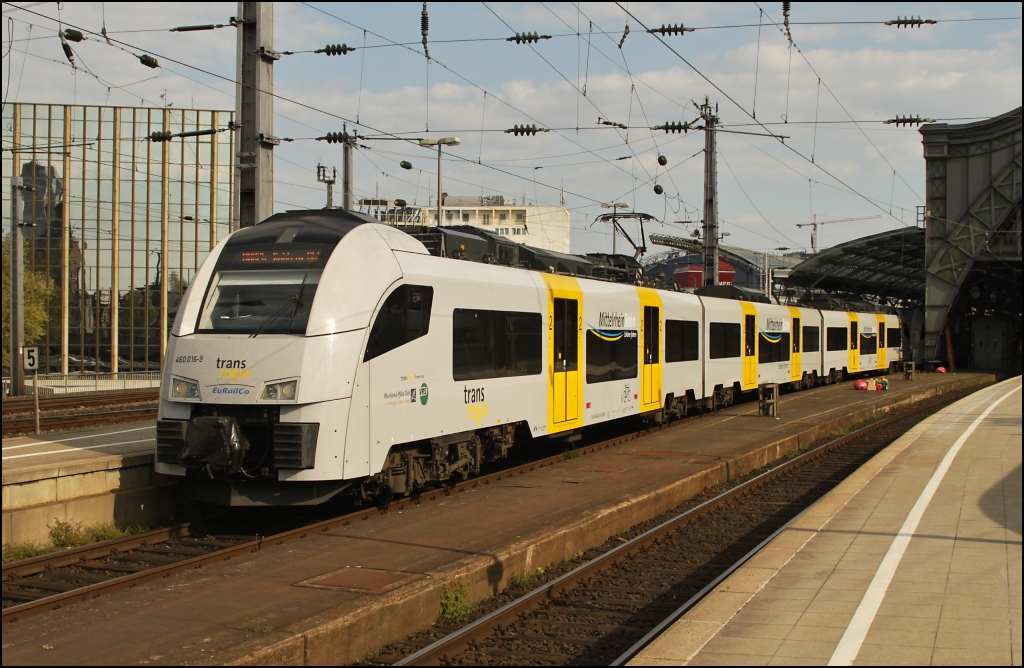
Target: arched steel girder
x=973, y=196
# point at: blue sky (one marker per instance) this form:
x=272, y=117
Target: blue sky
x=844, y=66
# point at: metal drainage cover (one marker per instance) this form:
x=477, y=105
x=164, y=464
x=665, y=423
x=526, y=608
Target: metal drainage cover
x=362, y=579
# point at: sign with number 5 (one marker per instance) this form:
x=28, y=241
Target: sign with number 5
x=31, y=359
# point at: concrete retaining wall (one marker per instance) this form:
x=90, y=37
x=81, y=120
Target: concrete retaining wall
x=123, y=490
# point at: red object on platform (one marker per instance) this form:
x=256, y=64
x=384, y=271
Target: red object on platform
x=941, y=369
x=860, y=385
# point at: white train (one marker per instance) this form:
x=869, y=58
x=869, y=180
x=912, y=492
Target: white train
x=318, y=352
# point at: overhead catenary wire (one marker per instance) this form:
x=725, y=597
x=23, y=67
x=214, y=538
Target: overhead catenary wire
x=765, y=128
x=843, y=107
x=340, y=117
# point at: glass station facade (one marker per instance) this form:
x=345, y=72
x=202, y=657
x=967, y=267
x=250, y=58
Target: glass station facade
x=118, y=222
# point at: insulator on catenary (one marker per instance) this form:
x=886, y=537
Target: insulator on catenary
x=149, y=61
x=68, y=53
x=670, y=30
x=662, y=160
x=527, y=38
x=910, y=22
x=674, y=127
x=525, y=130
x=900, y=121
x=425, y=28
x=161, y=135
x=405, y=164
x=336, y=49
x=73, y=35
x=658, y=189
x=336, y=137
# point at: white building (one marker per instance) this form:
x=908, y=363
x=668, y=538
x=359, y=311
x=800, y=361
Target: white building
x=544, y=227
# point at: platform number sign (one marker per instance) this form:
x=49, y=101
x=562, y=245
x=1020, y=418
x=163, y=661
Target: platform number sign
x=31, y=360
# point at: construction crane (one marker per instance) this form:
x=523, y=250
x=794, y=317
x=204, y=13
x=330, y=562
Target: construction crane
x=814, y=227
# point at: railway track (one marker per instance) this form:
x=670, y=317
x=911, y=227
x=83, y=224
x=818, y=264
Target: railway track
x=55, y=586
x=54, y=583
x=606, y=610
x=78, y=410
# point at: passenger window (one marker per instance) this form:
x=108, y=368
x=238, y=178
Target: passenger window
x=404, y=317
x=811, y=339
x=495, y=344
x=724, y=340
x=682, y=340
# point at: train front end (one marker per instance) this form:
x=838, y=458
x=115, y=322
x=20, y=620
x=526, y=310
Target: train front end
x=258, y=380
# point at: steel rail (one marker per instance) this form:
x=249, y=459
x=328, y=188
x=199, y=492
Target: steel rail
x=39, y=606
x=444, y=650
x=26, y=425
x=69, y=557
x=13, y=405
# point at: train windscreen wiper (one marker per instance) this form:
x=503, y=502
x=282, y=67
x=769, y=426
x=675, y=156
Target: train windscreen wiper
x=295, y=302
x=298, y=303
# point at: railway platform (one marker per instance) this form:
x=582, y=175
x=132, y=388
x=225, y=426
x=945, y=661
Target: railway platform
x=915, y=559
x=336, y=596
x=91, y=476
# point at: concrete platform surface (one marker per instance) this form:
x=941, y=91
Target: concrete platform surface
x=915, y=559
x=335, y=596
x=89, y=476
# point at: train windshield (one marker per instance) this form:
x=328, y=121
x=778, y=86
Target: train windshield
x=254, y=302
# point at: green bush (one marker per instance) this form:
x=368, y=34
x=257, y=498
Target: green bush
x=455, y=603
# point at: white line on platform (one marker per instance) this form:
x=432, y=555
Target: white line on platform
x=849, y=645
x=75, y=438
x=84, y=447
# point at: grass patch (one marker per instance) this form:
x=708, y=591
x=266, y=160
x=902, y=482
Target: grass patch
x=65, y=535
x=518, y=580
x=455, y=603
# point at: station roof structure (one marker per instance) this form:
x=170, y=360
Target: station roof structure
x=886, y=267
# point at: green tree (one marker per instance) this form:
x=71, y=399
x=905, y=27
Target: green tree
x=40, y=291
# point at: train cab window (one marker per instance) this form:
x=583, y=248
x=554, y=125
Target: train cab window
x=724, y=340
x=267, y=276
x=495, y=344
x=835, y=338
x=881, y=335
x=811, y=339
x=404, y=317
x=257, y=301
x=682, y=340
x=796, y=335
x=853, y=336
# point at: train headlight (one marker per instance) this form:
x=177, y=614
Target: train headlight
x=183, y=388
x=283, y=391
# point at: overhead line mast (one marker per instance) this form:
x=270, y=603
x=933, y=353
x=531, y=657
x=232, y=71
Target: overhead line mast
x=254, y=113
x=709, y=257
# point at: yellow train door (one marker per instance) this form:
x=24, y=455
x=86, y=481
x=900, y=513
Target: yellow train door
x=795, y=361
x=749, y=346
x=881, y=342
x=565, y=348
x=853, y=365
x=650, y=338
